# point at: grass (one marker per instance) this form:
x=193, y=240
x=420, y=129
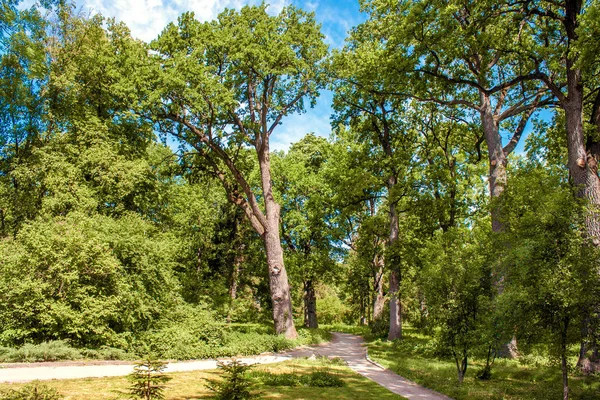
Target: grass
x=191, y=385
x=413, y=358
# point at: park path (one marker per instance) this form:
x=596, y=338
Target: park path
x=348, y=347
x=351, y=349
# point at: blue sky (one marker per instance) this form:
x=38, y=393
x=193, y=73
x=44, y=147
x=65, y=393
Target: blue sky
x=147, y=18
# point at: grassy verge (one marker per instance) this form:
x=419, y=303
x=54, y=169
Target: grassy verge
x=192, y=385
x=414, y=359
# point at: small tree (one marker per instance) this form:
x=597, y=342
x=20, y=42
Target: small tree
x=458, y=287
x=148, y=379
x=235, y=384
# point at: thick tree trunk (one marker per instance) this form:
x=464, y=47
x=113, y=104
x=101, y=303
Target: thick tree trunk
x=497, y=184
x=310, y=305
x=497, y=161
x=395, y=331
x=278, y=279
x=582, y=158
x=279, y=287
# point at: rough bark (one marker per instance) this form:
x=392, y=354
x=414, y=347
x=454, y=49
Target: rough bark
x=582, y=156
x=310, y=305
x=497, y=161
x=278, y=279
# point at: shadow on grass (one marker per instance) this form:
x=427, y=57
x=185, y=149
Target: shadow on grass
x=414, y=358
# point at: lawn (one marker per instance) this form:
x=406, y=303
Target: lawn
x=529, y=379
x=192, y=385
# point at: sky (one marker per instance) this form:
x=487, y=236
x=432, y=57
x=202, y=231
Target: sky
x=147, y=18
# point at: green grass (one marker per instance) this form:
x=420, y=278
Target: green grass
x=192, y=385
x=413, y=358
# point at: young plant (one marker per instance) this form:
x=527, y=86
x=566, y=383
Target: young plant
x=32, y=391
x=235, y=385
x=148, y=379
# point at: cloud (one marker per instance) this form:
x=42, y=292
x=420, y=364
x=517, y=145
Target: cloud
x=147, y=18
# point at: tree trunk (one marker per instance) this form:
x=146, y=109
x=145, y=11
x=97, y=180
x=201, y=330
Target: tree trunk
x=395, y=331
x=582, y=158
x=393, y=263
x=497, y=161
x=278, y=279
x=238, y=260
x=379, y=298
x=310, y=305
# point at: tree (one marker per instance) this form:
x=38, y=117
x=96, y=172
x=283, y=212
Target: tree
x=552, y=282
x=24, y=71
x=456, y=53
x=224, y=85
x=564, y=39
x=304, y=194
x=458, y=288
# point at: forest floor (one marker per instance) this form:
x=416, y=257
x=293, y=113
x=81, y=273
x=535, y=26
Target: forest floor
x=349, y=348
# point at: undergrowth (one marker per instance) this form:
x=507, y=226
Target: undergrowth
x=179, y=341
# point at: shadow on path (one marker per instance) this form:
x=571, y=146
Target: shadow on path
x=351, y=348
x=348, y=347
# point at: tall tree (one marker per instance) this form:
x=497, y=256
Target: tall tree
x=224, y=85
x=565, y=43
x=304, y=193
x=457, y=53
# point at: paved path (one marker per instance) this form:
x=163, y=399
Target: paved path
x=351, y=349
x=348, y=347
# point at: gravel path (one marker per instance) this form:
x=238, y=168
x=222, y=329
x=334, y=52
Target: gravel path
x=348, y=347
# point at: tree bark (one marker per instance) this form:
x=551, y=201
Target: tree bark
x=310, y=305
x=278, y=279
x=497, y=161
x=379, y=298
x=582, y=160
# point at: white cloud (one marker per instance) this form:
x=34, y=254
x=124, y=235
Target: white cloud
x=147, y=18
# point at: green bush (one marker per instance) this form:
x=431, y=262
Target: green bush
x=106, y=353
x=32, y=391
x=235, y=384
x=47, y=351
x=321, y=377
x=187, y=333
x=85, y=279
x=331, y=310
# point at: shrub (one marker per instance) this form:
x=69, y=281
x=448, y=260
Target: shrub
x=235, y=385
x=47, y=351
x=331, y=310
x=32, y=391
x=148, y=379
x=322, y=377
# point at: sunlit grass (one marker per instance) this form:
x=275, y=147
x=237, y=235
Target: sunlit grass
x=511, y=380
x=192, y=385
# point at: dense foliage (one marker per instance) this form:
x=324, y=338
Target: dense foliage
x=144, y=212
